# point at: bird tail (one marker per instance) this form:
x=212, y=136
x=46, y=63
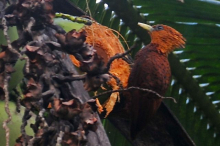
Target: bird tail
x=136, y=116
x=143, y=110
x=139, y=121
x=134, y=130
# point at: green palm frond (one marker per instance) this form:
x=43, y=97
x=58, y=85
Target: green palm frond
x=195, y=69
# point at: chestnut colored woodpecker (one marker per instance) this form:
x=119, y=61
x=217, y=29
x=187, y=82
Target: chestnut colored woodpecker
x=151, y=70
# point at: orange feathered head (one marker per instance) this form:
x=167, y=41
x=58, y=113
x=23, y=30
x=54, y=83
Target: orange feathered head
x=165, y=36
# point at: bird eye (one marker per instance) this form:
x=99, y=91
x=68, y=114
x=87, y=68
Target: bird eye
x=159, y=27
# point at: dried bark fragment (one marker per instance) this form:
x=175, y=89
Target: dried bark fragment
x=40, y=42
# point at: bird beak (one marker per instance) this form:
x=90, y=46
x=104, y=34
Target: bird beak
x=145, y=26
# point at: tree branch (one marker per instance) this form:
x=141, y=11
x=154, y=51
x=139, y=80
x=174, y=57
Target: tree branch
x=137, y=88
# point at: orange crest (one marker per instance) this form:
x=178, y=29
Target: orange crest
x=167, y=38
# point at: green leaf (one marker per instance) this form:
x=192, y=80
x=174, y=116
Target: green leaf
x=198, y=21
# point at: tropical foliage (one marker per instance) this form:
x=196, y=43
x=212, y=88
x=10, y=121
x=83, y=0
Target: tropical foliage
x=195, y=69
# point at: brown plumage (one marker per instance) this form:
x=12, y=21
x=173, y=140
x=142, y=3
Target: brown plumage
x=151, y=70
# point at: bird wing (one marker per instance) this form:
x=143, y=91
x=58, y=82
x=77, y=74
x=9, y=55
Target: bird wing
x=149, y=72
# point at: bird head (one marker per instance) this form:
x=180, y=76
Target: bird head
x=165, y=36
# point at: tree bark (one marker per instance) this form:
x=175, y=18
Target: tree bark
x=98, y=138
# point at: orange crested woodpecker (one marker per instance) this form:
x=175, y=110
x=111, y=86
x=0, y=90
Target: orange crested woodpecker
x=151, y=70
